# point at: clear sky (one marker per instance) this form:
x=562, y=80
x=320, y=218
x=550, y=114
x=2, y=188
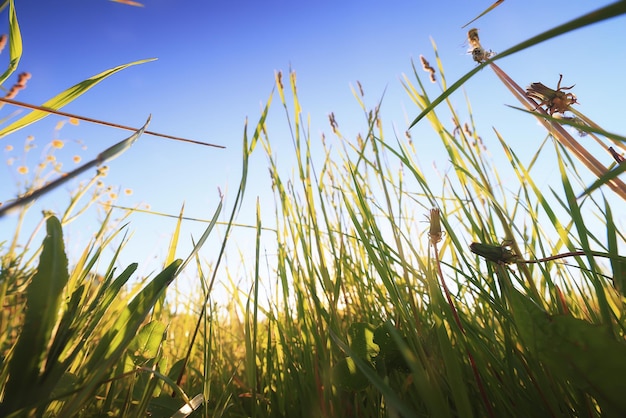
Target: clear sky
x=216, y=64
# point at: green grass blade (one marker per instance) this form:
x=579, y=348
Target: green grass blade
x=171, y=256
x=83, y=328
x=610, y=175
x=618, y=265
x=43, y=295
x=15, y=48
x=129, y=321
x=116, y=340
x=578, y=126
x=121, y=147
x=66, y=97
x=171, y=252
x=487, y=10
x=575, y=212
x=599, y=15
x=204, y=236
x=146, y=344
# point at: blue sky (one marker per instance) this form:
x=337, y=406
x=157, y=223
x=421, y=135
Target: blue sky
x=216, y=64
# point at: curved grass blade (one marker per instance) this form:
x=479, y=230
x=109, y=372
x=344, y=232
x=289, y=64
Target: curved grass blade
x=15, y=43
x=106, y=155
x=606, y=178
x=578, y=126
x=116, y=340
x=204, y=236
x=66, y=97
x=618, y=266
x=487, y=10
x=599, y=15
x=247, y=151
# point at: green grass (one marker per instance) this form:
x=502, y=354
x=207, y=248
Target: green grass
x=366, y=310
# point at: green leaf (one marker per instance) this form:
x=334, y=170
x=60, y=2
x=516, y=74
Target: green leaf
x=205, y=235
x=362, y=340
x=618, y=264
x=65, y=332
x=66, y=97
x=585, y=354
x=43, y=299
x=390, y=355
x=391, y=396
x=15, y=44
x=75, y=330
x=66, y=383
x=145, y=346
x=348, y=376
x=579, y=126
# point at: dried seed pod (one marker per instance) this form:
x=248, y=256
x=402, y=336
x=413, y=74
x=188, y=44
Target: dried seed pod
x=358, y=83
x=333, y=122
x=617, y=157
x=22, y=79
x=435, y=233
x=428, y=68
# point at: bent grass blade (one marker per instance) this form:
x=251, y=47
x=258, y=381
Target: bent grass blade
x=15, y=44
x=66, y=97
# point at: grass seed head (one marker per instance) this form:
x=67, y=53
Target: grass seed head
x=428, y=68
x=22, y=79
x=435, y=232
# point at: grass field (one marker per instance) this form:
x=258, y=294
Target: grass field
x=373, y=309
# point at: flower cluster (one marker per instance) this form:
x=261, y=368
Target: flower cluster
x=22, y=79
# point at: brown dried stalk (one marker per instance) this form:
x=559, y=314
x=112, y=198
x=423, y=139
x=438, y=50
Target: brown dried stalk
x=101, y=122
